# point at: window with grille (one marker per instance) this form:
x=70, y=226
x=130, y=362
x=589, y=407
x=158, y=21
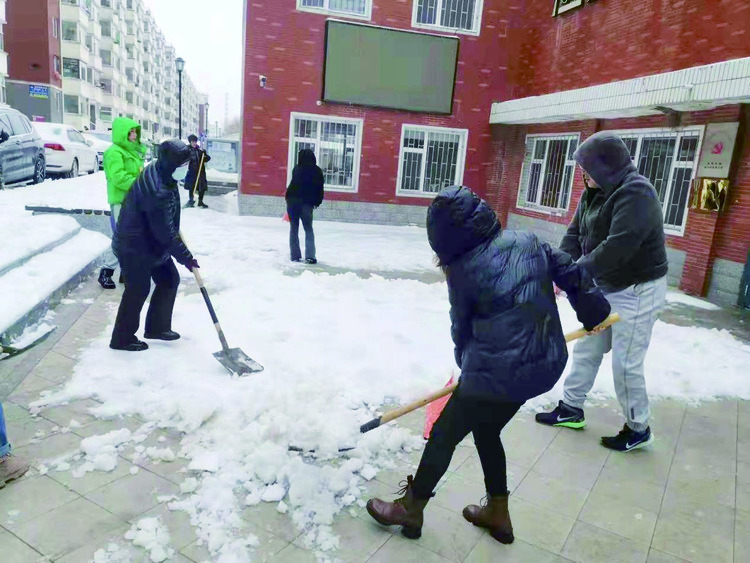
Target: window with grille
x=356, y=8
x=336, y=143
x=431, y=158
x=455, y=15
x=668, y=159
x=547, y=172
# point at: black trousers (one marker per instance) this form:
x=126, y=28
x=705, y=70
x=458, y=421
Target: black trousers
x=138, y=274
x=484, y=419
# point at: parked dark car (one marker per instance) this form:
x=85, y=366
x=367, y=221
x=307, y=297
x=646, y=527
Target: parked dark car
x=21, y=150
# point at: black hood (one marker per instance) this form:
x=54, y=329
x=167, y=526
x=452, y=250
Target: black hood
x=307, y=158
x=458, y=220
x=606, y=159
x=172, y=154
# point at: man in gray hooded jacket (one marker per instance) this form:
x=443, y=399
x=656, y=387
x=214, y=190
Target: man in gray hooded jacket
x=617, y=235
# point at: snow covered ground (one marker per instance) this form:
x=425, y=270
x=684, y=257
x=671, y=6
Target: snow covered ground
x=213, y=175
x=85, y=192
x=28, y=276
x=335, y=348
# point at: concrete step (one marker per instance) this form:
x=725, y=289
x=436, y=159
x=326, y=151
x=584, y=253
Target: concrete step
x=37, y=235
x=42, y=280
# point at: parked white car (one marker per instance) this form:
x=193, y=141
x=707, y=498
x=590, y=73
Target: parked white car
x=66, y=151
x=99, y=141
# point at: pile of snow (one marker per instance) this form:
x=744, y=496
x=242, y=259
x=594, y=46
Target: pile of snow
x=86, y=192
x=32, y=333
x=153, y=536
x=37, y=232
x=335, y=348
x=33, y=282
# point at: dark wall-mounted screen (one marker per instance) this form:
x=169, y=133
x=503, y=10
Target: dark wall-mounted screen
x=387, y=68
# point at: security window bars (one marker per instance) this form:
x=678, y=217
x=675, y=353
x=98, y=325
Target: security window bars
x=668, y=159
x=336, y=143
x=455, y=15
x=355, y=8
x=431, y=159
x=547, y=173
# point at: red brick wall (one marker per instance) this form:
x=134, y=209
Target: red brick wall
x=287, y=45
x=707, y=235
x=605, y=41
x=29, y=40
x=733, y=238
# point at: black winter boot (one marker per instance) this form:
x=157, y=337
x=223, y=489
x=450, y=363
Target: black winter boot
x=105, y=278
x=133, y=346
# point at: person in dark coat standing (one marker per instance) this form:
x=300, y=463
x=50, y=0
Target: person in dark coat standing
x=617, y=236
x=195, y=180
x=509, y=345
x=304, y=194
x=146, y=239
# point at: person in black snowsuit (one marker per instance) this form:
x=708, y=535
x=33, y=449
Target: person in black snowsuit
x=305, y=193
x=146, y=239
x=509, y=345
x=196, y=171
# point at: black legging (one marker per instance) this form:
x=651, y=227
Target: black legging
x=485, y=419
x=138, y=275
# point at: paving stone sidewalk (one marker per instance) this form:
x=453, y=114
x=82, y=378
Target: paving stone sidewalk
x=685, y=499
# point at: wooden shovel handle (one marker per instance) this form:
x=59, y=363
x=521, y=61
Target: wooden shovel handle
x=406, y=409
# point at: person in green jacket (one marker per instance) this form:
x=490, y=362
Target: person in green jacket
x=123, y=161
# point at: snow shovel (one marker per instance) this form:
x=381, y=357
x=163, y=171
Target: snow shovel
x=434, y=396
x=197, y=179
x=233, y=359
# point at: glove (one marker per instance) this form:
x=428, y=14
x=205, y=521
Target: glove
x=192, y=264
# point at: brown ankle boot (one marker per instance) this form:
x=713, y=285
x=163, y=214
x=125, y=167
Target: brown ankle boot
x=406, y=511
x=493, y=516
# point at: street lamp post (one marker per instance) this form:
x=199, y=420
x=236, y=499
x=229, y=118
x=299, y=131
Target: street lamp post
x=180, y=63
x=208, y=127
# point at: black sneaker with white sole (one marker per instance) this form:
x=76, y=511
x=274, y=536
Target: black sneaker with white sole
x=628, y=440
x=564, y=416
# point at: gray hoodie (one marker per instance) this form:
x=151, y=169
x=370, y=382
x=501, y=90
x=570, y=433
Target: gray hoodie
x=617, y=233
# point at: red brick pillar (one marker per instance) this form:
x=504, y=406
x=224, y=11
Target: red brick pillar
x=699, y=240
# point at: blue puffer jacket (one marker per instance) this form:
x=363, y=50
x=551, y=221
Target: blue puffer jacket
x=506, y=328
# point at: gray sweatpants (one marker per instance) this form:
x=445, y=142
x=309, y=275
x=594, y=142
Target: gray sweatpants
x=639, y=306
x=110, y=260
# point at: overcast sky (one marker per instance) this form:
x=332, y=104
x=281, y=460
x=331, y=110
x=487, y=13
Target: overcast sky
x=208, y=35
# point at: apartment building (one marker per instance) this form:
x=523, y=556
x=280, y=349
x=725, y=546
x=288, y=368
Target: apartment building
x=109, y=59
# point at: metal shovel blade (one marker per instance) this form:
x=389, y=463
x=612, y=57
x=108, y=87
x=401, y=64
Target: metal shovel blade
x=237, y=362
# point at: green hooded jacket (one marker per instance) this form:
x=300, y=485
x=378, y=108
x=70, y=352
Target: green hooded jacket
x=123, y=161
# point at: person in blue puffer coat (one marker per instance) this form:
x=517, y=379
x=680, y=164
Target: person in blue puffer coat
x=509, y=344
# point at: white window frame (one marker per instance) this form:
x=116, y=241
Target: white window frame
x=367, y=16
x=292, y=157
x=460, y=165
x=533, y=206
x=478, y=9
x=676, y=132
